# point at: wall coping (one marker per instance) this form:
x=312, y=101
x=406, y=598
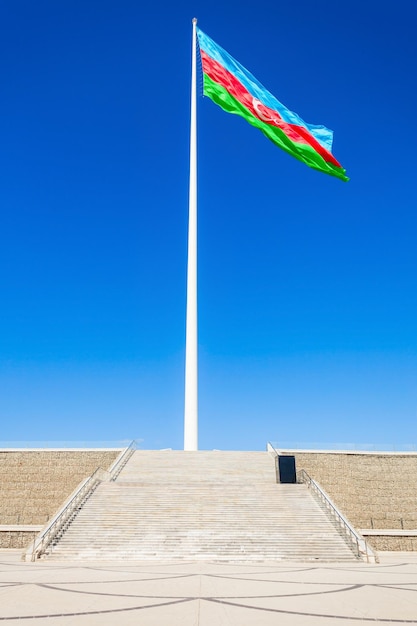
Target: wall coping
x=60, y=449
x=387, y=532
x=354, y=452
x=21, y=527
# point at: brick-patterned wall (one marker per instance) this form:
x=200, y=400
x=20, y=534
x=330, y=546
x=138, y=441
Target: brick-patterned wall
x=372, y=490
x=16, y=539
x=34, y=484
x=393, y=544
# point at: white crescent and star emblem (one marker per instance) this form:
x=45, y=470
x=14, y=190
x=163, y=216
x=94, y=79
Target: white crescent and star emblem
x=256, y=105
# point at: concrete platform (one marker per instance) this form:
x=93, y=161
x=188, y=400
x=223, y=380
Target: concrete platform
x=207, y=594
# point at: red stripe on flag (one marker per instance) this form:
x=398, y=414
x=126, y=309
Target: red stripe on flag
x=297, y=134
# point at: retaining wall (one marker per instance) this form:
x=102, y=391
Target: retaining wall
x=374, y=491
x=34, y=484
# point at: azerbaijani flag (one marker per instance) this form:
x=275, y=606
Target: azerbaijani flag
x=237, y=91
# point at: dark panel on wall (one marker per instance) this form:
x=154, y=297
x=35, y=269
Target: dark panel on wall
x=286, y=467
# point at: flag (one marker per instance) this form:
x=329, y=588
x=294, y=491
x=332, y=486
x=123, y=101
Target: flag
x=237, y=91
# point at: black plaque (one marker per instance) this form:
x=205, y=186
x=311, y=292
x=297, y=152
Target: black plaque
x=286, y=466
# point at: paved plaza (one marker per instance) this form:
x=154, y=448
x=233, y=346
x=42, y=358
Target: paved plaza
x=207, y=594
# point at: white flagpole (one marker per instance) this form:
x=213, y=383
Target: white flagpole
x=191, y=363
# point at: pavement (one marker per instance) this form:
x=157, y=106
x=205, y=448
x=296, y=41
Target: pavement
x=208, y=594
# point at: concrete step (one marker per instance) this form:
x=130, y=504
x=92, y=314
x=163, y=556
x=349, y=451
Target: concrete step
x=201, y=506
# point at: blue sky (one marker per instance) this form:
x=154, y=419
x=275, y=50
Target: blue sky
x=307, y=285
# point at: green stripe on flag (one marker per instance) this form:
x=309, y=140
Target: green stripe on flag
x=301, y=151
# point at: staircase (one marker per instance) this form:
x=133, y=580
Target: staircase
x=200, y=506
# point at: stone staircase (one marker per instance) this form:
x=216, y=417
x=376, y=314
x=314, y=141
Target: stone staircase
x=200, y=506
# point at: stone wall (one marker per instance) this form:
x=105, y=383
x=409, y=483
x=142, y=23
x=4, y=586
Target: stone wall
x=16, y=538
x=34, y=484
x=393, y=544
x=373, y=490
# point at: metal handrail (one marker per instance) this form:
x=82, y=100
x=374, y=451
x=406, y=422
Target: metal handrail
x=85, y=489
x=363, y=550
x=271, y=450
x=121, y=461
x=67, y=512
